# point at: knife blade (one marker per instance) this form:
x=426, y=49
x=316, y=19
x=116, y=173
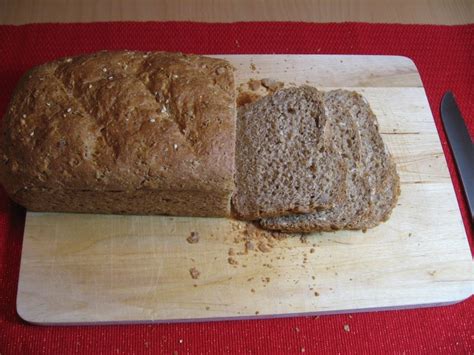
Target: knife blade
x=461, y=145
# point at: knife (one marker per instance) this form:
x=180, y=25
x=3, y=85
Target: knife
x=461, y=145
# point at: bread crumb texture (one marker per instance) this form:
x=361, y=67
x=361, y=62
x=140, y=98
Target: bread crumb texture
x=287, y=162
x=371, y=185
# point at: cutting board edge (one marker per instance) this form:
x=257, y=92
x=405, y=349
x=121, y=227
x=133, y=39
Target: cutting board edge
x=239, y=318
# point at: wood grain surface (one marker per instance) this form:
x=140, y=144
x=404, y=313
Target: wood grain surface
x=397, y=11
x=95, y=268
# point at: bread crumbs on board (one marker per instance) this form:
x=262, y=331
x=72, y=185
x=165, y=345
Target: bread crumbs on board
x=272, y=85
x=304, y=239
x=249, y=245
x=255, y=89
x=193, y=238
x=254, y=84
x=194, y=273
x=232, y=261
x=245, y=98
x=263, y=247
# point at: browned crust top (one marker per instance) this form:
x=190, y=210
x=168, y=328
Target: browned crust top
x=122, y=121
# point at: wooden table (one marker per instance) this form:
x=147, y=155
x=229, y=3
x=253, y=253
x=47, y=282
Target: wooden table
x=392, y=11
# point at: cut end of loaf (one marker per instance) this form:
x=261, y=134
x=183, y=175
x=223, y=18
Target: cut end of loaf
x=372, y=180
x=285, y=160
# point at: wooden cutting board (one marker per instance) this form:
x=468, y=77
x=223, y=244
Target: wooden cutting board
x=95, y=268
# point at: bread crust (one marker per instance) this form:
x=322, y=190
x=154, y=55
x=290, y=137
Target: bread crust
x=127, y=123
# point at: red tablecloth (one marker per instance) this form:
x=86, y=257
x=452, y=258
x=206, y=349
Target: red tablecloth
x=445, y=58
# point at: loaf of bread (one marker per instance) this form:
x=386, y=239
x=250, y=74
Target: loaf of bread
x=122, y=132
x=159, y=133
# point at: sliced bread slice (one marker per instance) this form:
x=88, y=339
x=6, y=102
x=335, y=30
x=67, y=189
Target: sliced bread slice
x=372, y=180
x=286, y=161
x=384, y=181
